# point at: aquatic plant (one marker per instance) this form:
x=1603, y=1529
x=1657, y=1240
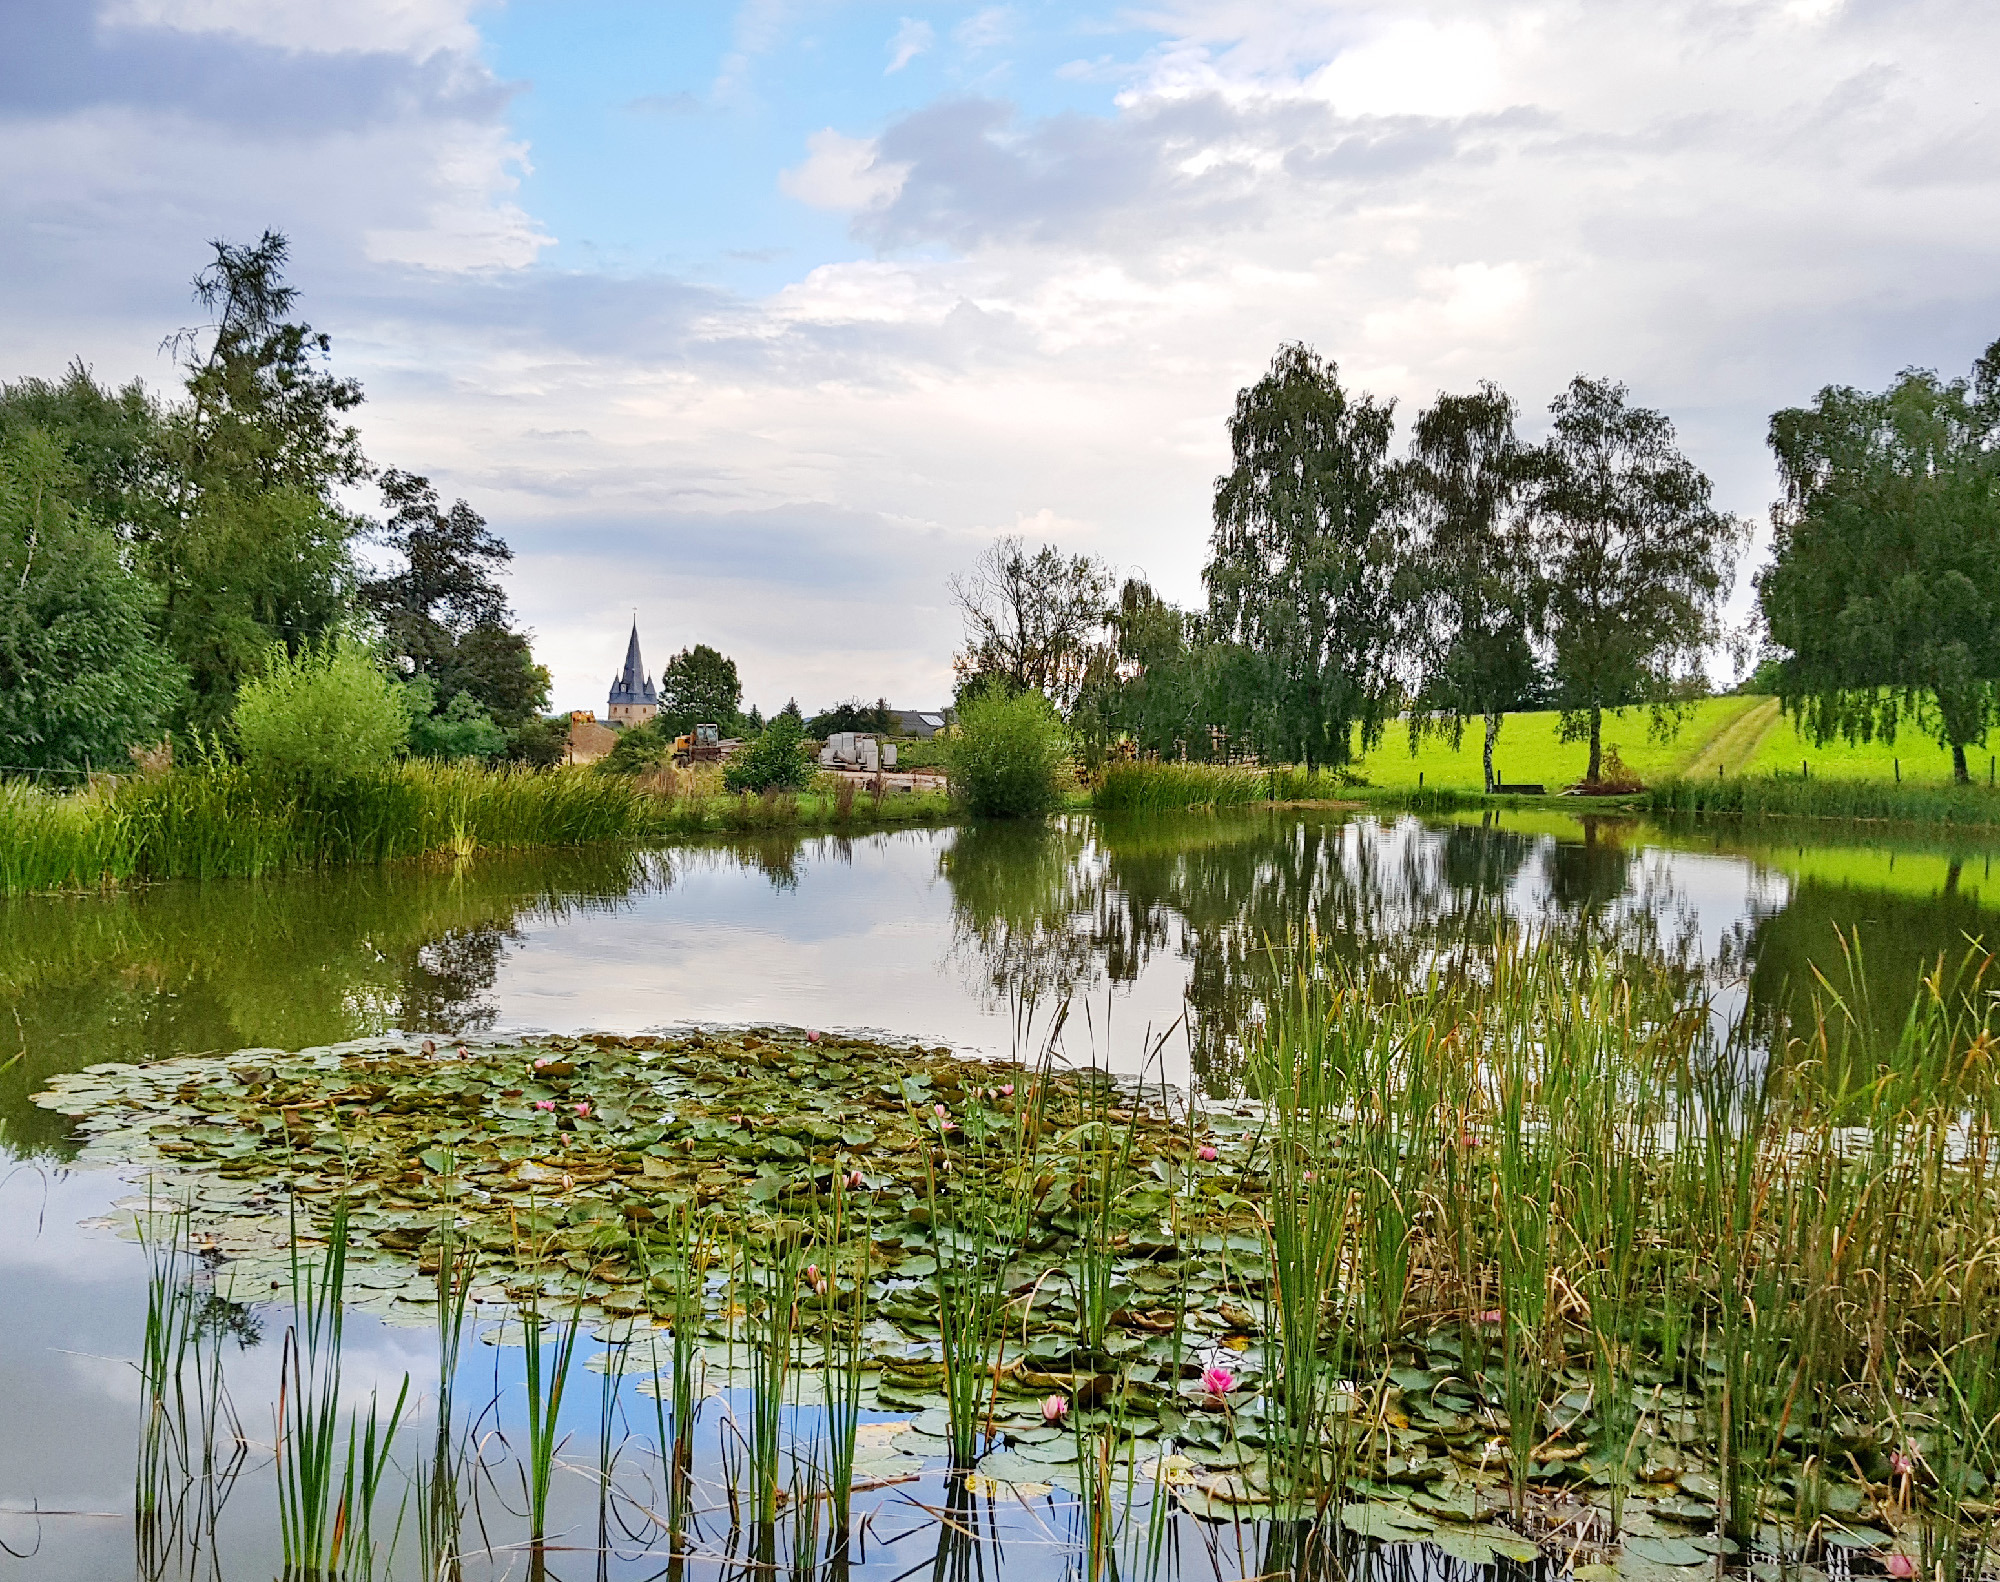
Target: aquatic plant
x=547, y=1364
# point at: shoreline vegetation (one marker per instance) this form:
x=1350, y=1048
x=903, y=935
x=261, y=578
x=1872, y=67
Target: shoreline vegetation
x=1523, y=1257
x=228, y=821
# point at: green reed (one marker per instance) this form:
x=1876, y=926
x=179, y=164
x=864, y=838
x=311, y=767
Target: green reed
x=547, y=1365
x=675, y=1408
x=1787, y=796
x=327, y=1489
x=440, y=1482
x=774, y=1268
x=843, y=1298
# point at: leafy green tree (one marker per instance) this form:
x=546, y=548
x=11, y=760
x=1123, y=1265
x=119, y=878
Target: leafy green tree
x=1302, y=564
x=1635, y=560
x=1472, y=583
x=115, y=441
x=1883, y=592
x=255, y=546
x=699, y=686
x=82, y=680
x=540, y=743
x=444, y=610
x=1008, y=755
x=461, y=729
x=322, y=714
x=1149, y=684
x=1031, y=620
x=776, y=761
x=853, y=715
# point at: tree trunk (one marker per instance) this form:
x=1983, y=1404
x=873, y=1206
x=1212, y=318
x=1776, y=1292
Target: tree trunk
x=1958, y=771
x=1492, y=736
x=1596, y=743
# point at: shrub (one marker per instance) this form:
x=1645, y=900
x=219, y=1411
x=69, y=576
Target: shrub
x=776, y=761
x=1009, y=756
x=461, y=729
x=328, y=712
x=639, y=747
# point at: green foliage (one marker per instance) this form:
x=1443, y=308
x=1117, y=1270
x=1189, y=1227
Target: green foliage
x=1009, y=755
x=255, y=549
x=461, y=729
x=853, y=715
x=1884, y=586
x=1765, y=796
x=540, y=742
x=1150, y=685
x=639, y=747
x=1302, y=562
x=1176, y=787
x=1031, y=620
x=776, y=761
x=444, y=611
x=1472, y=577
x=1636, y=560
x=699, y=686
x=329, y=712
x=81, y=678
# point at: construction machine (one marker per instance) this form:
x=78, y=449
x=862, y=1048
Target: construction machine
x=702, y=745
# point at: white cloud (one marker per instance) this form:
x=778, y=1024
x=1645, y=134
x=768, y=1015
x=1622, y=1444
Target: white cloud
x=913, y=36
x=841, y=173
x=406, y=26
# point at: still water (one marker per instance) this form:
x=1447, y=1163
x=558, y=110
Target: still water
x=1153, y=936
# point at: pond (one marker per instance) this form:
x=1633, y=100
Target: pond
x=1143, y=946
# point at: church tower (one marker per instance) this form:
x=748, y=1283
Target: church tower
x=633, y=700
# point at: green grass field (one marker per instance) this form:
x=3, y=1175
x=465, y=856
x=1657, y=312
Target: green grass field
x=1530, y=750
x=1923, y=761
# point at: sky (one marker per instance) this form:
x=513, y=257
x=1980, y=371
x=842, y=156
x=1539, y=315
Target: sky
x=762, y=320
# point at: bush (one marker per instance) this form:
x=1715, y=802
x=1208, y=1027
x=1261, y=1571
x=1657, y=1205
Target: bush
x=638, y=748
x=330, y=711
x=1009, y=757
x=461, y=729
x=776, y=761
x=540, y=743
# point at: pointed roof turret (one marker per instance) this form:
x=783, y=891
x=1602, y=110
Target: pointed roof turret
x=634, y=686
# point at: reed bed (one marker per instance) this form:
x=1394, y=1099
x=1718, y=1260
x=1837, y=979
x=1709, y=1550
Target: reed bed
x=221, y=820
x=1791, y=796
x=1155, y=787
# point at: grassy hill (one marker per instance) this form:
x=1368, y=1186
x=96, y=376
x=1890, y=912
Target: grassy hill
x=1530, y=749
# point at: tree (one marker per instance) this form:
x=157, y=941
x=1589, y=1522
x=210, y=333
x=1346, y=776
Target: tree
x=1301, y=571
x=853, y=715
x=1883, y=592
x=114, y=440
x=1149, y=683
x=1473, y=588
x=1031, y=620
x=698, y=686
x=81, y=678
x=444, y=611
x=255, y=546
x=1635, y=558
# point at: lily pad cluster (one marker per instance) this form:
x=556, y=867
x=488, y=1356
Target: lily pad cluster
x=595, y=1177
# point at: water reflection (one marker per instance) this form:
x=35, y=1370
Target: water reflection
x=950, y=935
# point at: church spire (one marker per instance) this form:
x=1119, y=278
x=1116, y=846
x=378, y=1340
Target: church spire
x=633, y=688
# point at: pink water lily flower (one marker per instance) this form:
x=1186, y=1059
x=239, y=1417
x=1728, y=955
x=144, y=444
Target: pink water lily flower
x=812, y=1038
x=1900, y=1565
x=543, y=1062
x=1007, y=1090
x=855, y=1181
x=1217, y=1382
x=545, y=1104
x=583, y=1109
x=1055, y=1409
x=1206, y=1153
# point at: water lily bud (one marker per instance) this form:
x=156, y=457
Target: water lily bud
x=1055, y=1409
x=1207, y=1153
x=1900, y=1565
x=855, y=1181
x=939, y=1111
x=812, y=1038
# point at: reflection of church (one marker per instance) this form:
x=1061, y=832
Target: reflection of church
x=633, y=700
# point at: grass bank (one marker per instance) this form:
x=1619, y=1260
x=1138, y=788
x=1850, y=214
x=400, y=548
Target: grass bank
x=1762, y=796
x=226, y=822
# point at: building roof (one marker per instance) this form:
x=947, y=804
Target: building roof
x=634, y=686
x=923, y=723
